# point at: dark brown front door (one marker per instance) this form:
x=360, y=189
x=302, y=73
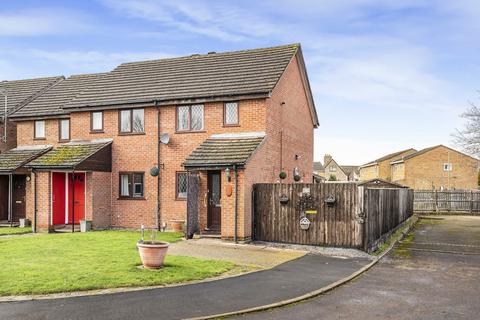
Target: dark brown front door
x=214, y=218
x=3, y=197
x=18, y=197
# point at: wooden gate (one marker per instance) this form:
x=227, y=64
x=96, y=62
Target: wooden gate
x=338, y=224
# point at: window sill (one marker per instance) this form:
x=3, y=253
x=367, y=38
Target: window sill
x=131, y=133
x=231, y=125
x=183, y=132
x=131, y=198
x=39, y=138
x=63, y=141
x=96, y=131
x=181, y=199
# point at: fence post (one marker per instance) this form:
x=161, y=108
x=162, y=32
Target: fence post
x=471, y=202
x=436, y=201
x=365, y=219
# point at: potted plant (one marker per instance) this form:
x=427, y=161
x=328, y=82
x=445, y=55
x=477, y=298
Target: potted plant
x=152, y=252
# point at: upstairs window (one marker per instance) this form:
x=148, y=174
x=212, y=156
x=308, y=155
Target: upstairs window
x=230, y=114
x=131, y=184
x=447, y=167
x=333, y=169
x=96, y=121
x=190, y=118
x=64, y=129
x=39, y=130
x=132, y=121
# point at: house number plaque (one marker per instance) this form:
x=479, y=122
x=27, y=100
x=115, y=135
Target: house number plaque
x=304, y=223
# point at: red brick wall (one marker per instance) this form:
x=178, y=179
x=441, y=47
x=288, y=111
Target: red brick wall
x=43, y=201
x=290, y=125
x=98, y=199
x=139, y=153
x=11, y=136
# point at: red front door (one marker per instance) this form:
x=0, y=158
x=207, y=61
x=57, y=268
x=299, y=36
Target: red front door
x=58, y=197
x=60, y=201
x=76, y=191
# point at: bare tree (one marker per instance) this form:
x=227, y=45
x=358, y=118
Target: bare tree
x=468, y=138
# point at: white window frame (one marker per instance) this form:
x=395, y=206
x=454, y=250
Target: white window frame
x=61, y=127
x=447, y=166
x=35, y=129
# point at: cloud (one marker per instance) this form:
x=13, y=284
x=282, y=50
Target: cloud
x=38, y=22
x=88, y=60
x=212, y=19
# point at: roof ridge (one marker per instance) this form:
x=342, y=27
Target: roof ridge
x=31, y=79
x=198, y=55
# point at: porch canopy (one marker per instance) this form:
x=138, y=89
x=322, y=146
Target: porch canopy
x=13, y=160
x=81, y=155
x=224, y=150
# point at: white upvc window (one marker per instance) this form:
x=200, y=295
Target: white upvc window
x=64, y=129
x=39, y=131
x=447, y=167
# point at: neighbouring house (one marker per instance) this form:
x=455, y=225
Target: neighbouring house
x=380, y=168
x=331, y=170
x=134, y=146
x=438, y=167
x=17, y=94
x=14, y=95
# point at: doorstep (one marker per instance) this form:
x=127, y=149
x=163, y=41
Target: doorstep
x=65, y=228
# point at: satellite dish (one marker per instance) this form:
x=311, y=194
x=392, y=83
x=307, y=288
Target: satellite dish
x=165, y=138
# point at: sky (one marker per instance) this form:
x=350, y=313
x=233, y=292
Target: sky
x=386, y=75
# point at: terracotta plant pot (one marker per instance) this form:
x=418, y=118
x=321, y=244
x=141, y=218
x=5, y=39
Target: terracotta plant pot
x=177, y=225
x=152, y=253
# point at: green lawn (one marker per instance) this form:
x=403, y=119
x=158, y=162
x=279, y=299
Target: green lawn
x=13, y=230
x=49, y=263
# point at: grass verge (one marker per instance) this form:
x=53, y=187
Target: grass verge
x=14, y=230
x=397, y=235
x=52, y=263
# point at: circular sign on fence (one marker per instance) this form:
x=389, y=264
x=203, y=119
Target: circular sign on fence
x=304, y=223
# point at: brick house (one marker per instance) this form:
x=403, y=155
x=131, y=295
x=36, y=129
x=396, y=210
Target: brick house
x=121, y=146
x=437, y=167
x=14, y=95
x=330, y=168
x=380, y=168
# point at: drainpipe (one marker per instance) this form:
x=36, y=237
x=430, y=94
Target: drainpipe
x=5, y=117
x=158, y=218
x=236, y=204
x=34, y=201
x=10, y=186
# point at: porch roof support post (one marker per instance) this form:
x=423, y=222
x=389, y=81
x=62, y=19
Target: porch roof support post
x=73, y=200
x=34, y=201
x=10, y=195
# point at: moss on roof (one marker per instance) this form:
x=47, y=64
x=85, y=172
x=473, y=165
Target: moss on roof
x=13, y=159
x=67, y=155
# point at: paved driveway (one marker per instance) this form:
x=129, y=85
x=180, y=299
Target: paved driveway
x=433, y=274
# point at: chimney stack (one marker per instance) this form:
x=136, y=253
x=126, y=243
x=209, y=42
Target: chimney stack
x=326, y=159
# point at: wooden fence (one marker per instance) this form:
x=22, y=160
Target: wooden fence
x=340, y=214
x=447, y=202
x=385, y=210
